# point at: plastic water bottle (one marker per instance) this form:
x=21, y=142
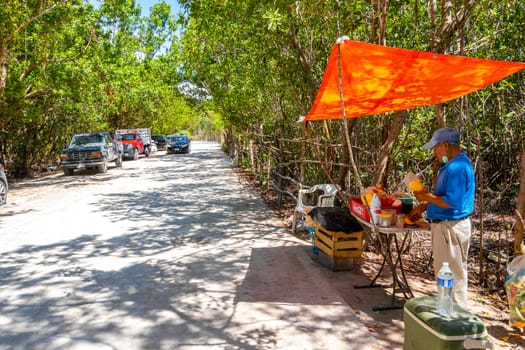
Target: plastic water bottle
x=375, y=209
x=445, y=282
x=311, y=230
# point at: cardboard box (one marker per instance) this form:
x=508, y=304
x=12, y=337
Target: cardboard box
x=426, y=329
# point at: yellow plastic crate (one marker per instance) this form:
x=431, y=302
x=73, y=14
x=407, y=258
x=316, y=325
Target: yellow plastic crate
x=339, y=244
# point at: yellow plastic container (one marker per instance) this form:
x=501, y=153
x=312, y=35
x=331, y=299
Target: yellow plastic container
x=386, y=217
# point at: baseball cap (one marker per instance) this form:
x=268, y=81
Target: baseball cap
x=442, y=135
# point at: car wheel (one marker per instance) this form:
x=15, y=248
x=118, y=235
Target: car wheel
x=103, y=168
x=69, y=172
x=3, y=192
x=118, y=161
x=135, y=154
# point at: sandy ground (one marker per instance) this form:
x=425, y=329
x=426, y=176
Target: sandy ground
x=388, y=326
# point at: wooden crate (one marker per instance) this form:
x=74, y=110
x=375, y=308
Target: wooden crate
x=339, y=244
x=335, y=264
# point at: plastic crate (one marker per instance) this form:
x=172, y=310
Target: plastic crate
x=359, y=209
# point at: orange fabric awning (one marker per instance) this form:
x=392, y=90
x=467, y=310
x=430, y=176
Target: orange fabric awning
x=379, y=79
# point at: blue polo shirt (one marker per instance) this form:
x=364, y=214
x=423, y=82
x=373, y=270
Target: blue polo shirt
x=456, y=184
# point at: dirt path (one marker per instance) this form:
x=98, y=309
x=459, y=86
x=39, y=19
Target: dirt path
x=169, y=252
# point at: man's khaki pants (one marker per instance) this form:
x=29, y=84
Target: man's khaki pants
x=450, y=243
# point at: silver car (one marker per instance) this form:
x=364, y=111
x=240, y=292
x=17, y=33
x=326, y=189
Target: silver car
x=3, y=186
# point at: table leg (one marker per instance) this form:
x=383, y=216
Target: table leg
x=402, y=280
x=385, y=241
x=373, y=284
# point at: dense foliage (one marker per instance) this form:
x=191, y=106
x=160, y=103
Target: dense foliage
x=263, y=61
x=69, y=66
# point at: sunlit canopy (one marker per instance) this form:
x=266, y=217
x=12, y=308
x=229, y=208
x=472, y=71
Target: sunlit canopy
x=378, y=79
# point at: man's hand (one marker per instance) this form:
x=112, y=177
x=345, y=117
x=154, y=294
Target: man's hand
x=421, y=196
x=425, y=197
x=417, y=212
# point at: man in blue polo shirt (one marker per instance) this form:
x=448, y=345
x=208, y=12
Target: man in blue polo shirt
x=449, y=207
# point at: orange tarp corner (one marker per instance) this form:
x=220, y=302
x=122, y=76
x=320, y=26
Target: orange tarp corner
x=379, y=79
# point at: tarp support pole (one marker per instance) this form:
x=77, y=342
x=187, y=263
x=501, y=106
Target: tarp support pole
x=345, y=119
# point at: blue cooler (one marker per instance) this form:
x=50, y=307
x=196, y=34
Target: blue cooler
x=425, y=329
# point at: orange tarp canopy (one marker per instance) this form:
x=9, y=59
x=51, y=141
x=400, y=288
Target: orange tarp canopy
x=379, y=79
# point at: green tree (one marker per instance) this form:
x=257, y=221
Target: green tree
x=38, y=43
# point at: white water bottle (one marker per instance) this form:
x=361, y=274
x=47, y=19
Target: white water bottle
x=445, y=282
x=375, y=208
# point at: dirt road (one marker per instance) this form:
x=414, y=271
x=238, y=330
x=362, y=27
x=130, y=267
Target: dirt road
x=167, y=252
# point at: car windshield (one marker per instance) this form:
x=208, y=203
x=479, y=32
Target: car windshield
x=179, y=138
x=86, y=140
x=128, y=137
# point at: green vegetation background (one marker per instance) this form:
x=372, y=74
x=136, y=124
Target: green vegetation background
x=67, y=67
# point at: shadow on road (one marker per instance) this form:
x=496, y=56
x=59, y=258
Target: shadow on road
x=210, y=245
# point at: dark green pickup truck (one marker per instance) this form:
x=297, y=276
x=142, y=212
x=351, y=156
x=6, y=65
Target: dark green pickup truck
x=91, y=151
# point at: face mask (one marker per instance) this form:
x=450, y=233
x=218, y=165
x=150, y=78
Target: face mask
x=444, y=159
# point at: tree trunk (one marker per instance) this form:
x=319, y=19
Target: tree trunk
x=520, y=211
x=3, y=67
x=302, y=164
x=393, y=134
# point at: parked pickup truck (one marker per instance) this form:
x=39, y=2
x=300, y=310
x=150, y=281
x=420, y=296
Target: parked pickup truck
x=135, y=142
x=91, y=151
